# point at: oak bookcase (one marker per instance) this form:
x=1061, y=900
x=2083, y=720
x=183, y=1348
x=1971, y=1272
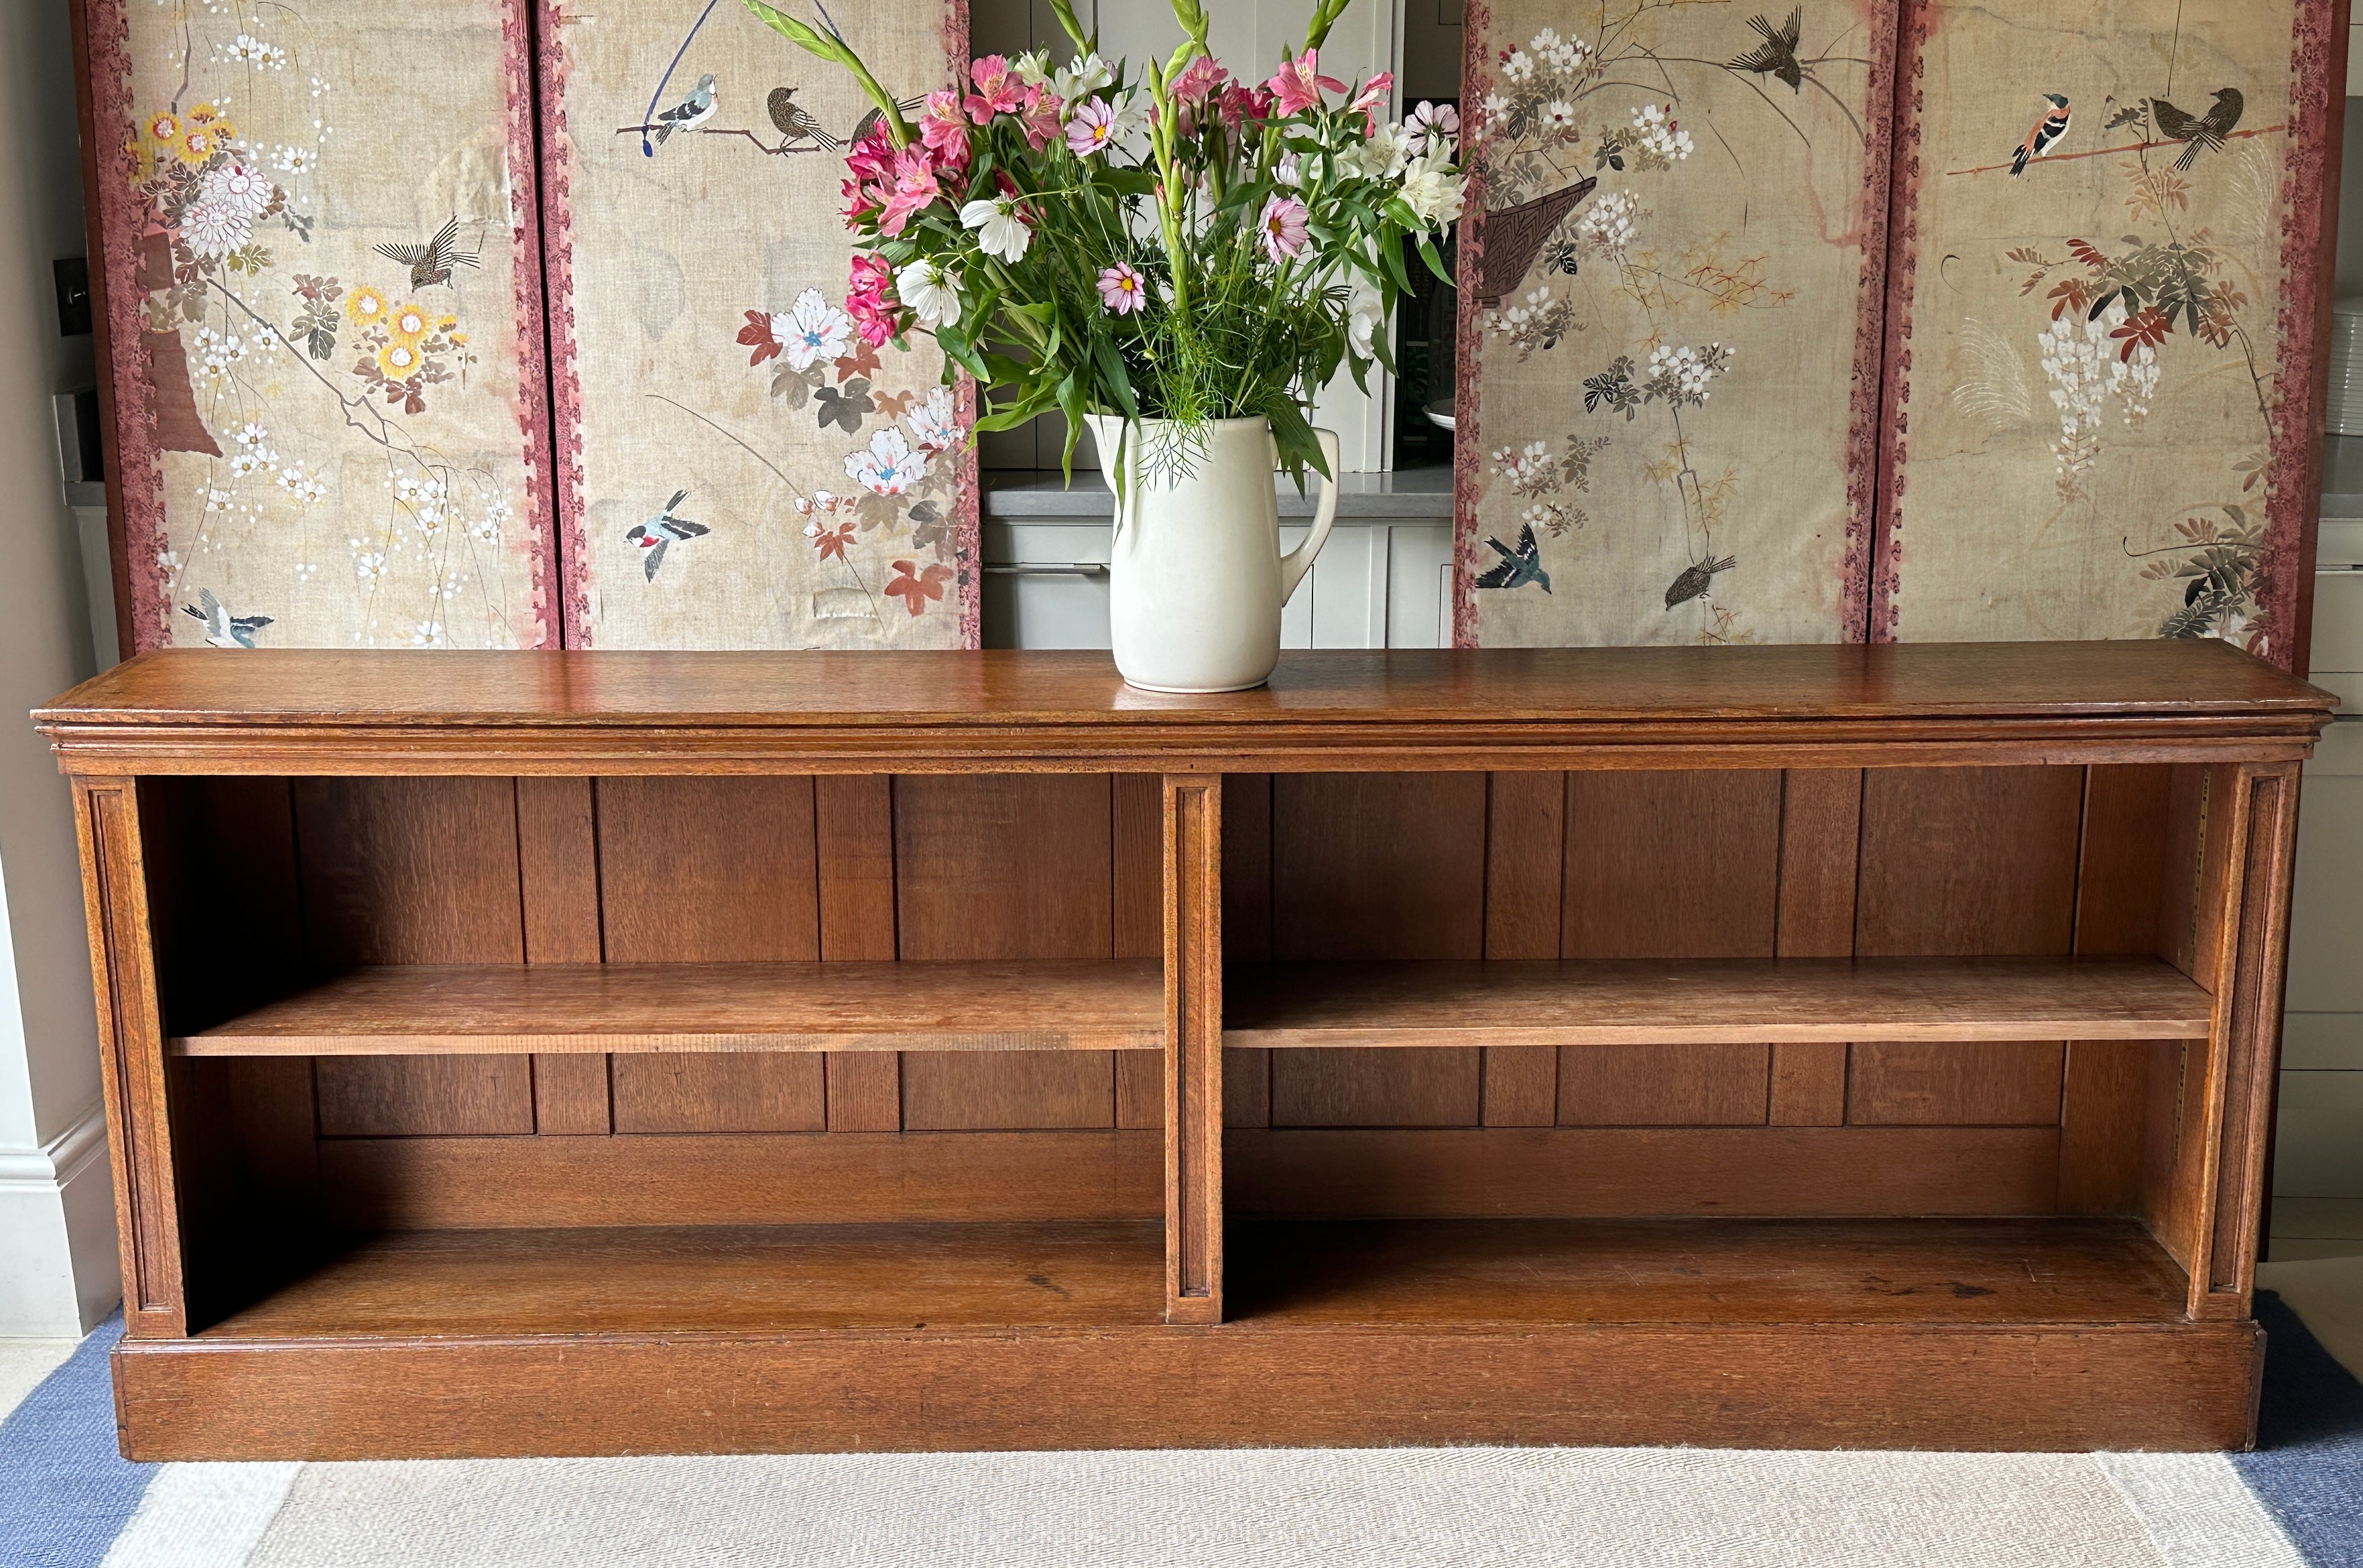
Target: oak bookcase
x=575, y=1053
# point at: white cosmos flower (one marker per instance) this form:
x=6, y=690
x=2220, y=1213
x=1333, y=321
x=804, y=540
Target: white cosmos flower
x=999, y=228
x=930, y=290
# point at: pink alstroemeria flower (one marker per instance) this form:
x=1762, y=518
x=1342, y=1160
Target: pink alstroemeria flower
x=943, y=132
x=1122, y=290
x=1199, y=80
x=1298, y=85
x=1092, y=129
x=1374, y=93
x=998, y=89
x=915, y=187
x=866, y=303
x=1039, y=114
x=1282, y=224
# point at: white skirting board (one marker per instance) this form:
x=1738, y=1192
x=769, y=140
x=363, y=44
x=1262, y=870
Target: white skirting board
x=57, y=1232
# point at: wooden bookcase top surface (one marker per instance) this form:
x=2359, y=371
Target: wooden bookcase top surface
x=372, y=711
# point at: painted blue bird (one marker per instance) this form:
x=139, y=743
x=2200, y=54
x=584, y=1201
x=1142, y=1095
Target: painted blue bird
x=663, y=529
x=1518, y=567
x=2048, y=130
x=687, y=115
x=224, y=629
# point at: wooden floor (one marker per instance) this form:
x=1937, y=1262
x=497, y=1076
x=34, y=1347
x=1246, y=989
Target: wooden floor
x=1417, y=1273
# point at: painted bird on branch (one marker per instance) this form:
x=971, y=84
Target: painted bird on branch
x=2046, y=132
x=795, y=122
x=1777, y=55
x=2200, y=132
x=690, y=113
x=1696, y=580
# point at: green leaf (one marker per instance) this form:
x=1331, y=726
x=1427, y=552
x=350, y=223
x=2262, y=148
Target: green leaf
x=1427, y=252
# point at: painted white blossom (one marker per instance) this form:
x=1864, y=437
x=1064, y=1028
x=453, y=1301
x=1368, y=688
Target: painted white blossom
x=370, y=567
x=1607, y=223
x=1518, y=65
x=214, y=229
x=238, y=188
x=812, y=329
x=1558, y=55
x=888, y=466
x=934, y=420
x=293, y=160
x=1660, y=132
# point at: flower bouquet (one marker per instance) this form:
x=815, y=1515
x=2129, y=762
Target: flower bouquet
x=1164, y=253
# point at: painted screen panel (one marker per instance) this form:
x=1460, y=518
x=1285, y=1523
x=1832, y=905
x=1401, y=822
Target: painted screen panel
x=2102, y=419
x=1670, y=340
x=324, y=307
x=736, y=468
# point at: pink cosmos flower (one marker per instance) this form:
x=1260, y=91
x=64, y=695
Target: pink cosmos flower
x=1039, y=114
x=1122, y=290
x=1199, y=80
x=998, y=88
x=1298, y=84
x=915, y=187
x=943, y=130
x=1282, y=224
x=1092, y=129
x=1439, y=123
x=1373, y=93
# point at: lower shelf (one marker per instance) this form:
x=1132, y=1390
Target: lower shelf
x=1431, y=1273
x=718, y=1279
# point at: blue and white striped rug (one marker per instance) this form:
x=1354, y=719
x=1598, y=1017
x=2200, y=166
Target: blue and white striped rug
x=67, y=1501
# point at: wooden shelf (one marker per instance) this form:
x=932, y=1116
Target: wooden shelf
x=1709, y=1001
x=428, y=1010
x=1404, y=1274
x=720, y=1279
x=1435, y=1273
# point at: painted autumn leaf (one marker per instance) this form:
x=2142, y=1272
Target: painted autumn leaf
x=758, y=335
x=916, y=589
x=2146, y=327
x=860, y=359
x=831, y=543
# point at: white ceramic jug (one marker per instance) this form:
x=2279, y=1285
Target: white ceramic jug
x=1197, y=581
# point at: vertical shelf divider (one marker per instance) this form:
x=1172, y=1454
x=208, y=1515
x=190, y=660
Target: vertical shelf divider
x=1193, y=1048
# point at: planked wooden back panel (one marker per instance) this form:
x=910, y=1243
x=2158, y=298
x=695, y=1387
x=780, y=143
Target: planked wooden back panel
x=1595, y=864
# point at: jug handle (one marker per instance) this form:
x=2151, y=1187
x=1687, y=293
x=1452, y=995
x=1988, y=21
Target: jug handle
x=1298, y=562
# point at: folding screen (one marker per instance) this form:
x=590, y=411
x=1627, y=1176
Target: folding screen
x=1670, y=352
x=2103, y=409
x=736, y=468
x=2084, y=400
x=322, y=308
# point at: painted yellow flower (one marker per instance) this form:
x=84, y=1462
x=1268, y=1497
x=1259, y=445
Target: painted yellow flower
x=446, y=322
x=399, y=359
x=164, y=128
x=365, y=307
x=197, y=145
x=408, y=324
x=206, y=113
x=143, y=158
x=458, y=339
